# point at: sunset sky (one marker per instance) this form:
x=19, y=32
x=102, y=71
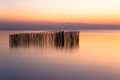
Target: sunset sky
x=80, y=11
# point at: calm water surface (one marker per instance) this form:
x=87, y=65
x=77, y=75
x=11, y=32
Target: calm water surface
x=94, y=55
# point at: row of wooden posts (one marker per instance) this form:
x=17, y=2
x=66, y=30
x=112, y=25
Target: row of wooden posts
x=50, y=39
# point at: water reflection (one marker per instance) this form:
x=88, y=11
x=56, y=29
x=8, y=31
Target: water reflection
x=97, y=58
x=45, y=39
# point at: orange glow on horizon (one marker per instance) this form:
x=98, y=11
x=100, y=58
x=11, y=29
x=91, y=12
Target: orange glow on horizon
x=96, y=20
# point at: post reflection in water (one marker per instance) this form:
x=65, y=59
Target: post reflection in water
x=45, y=39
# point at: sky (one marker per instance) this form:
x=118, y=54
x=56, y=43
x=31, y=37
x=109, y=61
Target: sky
x=74, y=11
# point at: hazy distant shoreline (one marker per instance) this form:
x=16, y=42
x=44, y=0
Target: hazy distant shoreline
x=56, y=26
x=104, y=29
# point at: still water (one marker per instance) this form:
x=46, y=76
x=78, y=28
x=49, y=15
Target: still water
x=84, y=55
